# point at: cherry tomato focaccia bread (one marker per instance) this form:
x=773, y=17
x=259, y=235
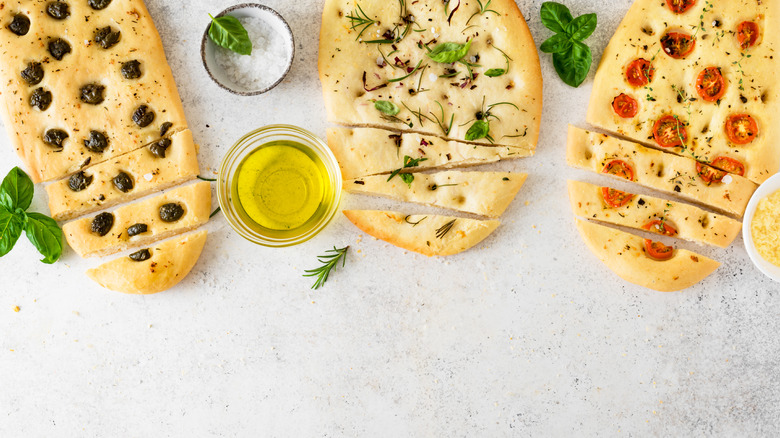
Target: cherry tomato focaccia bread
x=652, y=168
x=83, y=81
x=430, y=235
x=154, y=269
x=651, y=214
x=697, y=78
x=174, y=212
x=450, y=69
x=644, y=262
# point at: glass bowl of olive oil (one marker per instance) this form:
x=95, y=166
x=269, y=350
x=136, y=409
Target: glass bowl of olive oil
x=279, y=186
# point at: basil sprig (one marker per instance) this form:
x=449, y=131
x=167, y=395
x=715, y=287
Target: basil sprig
x=227, y=31
x=16, y=194
x=571, y=57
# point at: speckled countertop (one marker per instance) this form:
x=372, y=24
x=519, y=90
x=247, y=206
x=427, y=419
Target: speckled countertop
x=526, y=335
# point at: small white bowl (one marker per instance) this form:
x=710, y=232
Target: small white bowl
x=256, y=10
x=767, y=188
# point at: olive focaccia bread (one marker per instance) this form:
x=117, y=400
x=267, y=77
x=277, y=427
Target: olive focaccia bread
x=697, y=78
x=154, y=269
x=165, y=163
x=83, y=81
x=174, y=212
x=652, y=214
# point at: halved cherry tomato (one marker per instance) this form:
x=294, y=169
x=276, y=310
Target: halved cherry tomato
x=658, y=251
x=711, y=85
x=620, y=169
x=747, y=34
x=669, y=132
x=678, y=45
x=741, y=128
x=640, y=72
x=615, y=198
x=660, y=226
x=729, y=165
x=680, y=6
x=625, y=106
x=709, y=174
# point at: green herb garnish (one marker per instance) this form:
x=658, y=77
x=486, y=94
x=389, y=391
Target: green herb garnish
x=329, y=261
x=408, y=178
x=228, y=32
x=480, y=129
x=571, y=57
x=441, y=232
x=206, y=179
x=214, y=213
x=448, y=53
x=386, y=107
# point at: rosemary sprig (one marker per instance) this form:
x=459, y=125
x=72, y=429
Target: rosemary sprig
x=206, y=179
x=417, y=67
x=329, y=262
x=359, y=18
x=440, y=120
x=483, y=9
x=214, y=213
x=441, y=232
x=414, y=224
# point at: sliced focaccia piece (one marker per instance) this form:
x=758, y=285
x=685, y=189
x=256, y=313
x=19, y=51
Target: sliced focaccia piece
x=652, y=168
x=165, y=163
x=430, y=235
x=144, y=222
x=154, y=269
x=644, y=262
x=369, y=151
x=482, y=193
x=652, y=214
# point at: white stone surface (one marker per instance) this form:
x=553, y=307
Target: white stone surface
x=526, y=335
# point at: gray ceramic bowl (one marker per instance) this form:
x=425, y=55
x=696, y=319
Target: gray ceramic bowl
x=208, y=48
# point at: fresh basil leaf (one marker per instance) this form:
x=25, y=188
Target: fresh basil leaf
x=480, y=129
x=557, y=43
x=574, y=64
x=408, y=178
x=447, y=53
x=45, y=235
x=387, y=107
x=11, y=227
x=227, y=31
x=16, y=190
x=495, y=72
x=582, y=26
x=555, y=16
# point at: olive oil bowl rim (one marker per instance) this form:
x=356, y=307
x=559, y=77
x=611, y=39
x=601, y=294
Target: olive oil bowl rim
x=767, y=188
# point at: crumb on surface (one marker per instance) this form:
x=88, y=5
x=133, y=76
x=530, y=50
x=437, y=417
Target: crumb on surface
x=17, y=309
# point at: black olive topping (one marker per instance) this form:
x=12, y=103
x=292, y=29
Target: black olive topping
x=58, y=10
x=143, y=116
x=55, y=137
x=131, y=69
x=164, y=128
x=102, y=224
x=171, y=212
x=136, y=229
x=79, y=181
x=33, y=74
x=140, y=256
x=93, y=94
x=41, y=99
x=20, y=25
x=158, y=148
x=97, y=142
x=59, y=48
x=106, y=37
x=99, y=4
x=123, y=182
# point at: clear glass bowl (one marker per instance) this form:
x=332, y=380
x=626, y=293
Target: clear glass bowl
x=227, y=192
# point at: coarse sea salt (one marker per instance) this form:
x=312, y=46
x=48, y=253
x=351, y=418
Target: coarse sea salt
x=267, y=62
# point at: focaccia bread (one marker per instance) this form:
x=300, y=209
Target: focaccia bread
x=652, y=214
x=106, y=95
x=151, y=270
x=133, y=225
x=627, y=256
x=378, y=51
x=652, y=168
x=430, y=235
x=369, y=151
x=727, y=80
x=166, y=163
x=483, y=193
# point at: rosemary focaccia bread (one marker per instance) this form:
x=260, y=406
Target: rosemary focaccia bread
x=166, y=163
x=154, y=269
x=645, y=262
x=369, y=151
x=483, y=193
x=697, y=78
x=83, y=81
x=430, y=235
x=652, y=168
x=174, y=212
x=651, y=214
x=462, y=71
